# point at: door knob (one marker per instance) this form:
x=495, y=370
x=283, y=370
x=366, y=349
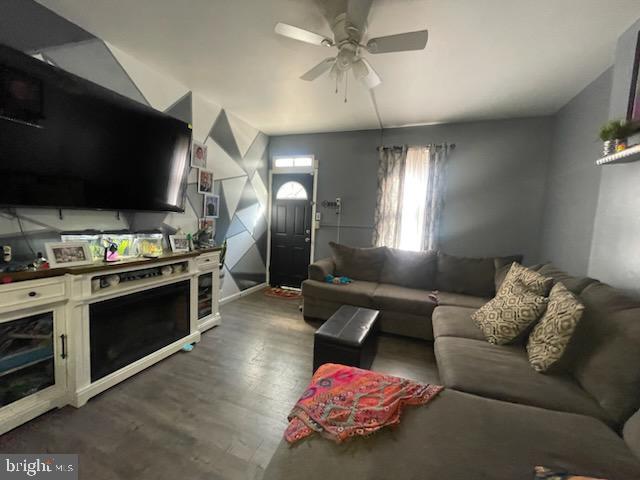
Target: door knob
x=307, y=239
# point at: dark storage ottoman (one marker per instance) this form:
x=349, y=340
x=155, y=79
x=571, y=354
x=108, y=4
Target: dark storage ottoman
x=348, y=337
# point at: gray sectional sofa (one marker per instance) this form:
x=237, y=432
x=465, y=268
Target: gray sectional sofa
x=405, y=286
x=497, y=417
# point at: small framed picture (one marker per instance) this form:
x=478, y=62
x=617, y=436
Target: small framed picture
x=211, y=206
x=206, y=224
x=199, y=155
x=68, y=254
x=205, y=181
x=179, y=243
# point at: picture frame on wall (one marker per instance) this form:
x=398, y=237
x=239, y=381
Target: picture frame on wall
x=68, y=254
x=179, y=243
x=205, y=181
x=211, y=206
x=633, y=109
x=198, y=155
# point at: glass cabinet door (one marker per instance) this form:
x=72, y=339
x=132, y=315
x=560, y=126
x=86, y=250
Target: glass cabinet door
x=27, y=362
x=205, y=295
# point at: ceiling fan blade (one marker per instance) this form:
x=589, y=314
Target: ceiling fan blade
x=357, y=14
x=319, y=69
x=302, y=35
x=401, y=42
x=364, y=72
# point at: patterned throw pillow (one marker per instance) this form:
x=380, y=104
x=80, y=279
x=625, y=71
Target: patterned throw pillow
x=513, y=310
x=548, y=474
x=529, y=279
x=550, y=337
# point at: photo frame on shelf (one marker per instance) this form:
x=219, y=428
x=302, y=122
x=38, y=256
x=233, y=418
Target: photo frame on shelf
x=179, y=243
x=68, y=254
x=633, y=108
x=205, y=181
x=199, y=155
x=211, y=206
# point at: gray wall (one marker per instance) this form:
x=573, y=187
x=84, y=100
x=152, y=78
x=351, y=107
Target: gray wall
x=615, y=253
x=495, y=182
x=573, y=181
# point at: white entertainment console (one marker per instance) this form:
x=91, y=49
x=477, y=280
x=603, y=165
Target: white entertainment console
x=45, y=328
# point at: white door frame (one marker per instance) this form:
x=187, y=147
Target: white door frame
x=314, y=225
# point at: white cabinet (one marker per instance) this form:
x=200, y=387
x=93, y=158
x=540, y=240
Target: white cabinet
x=33, y=350
x=46, y=349
x=208, y=284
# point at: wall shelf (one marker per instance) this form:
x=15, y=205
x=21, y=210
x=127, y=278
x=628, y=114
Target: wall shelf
x=631, y=154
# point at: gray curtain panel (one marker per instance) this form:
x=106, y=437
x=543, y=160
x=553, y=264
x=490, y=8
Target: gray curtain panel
x=435, y=197
x=410, y=197
x=388, y=215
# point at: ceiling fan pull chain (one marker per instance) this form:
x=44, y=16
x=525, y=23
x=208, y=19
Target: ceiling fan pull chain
x=346, y=86
x=337, y=80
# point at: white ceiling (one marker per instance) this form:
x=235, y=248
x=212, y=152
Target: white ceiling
x=485, y=58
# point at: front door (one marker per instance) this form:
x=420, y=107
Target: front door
x=290, y=229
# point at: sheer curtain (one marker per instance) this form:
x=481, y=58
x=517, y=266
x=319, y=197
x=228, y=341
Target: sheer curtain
x=410, y=197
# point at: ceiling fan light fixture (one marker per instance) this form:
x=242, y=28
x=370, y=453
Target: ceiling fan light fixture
x=349, y=27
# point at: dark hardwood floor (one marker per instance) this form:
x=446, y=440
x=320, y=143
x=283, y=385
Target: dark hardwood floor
x=217, y=412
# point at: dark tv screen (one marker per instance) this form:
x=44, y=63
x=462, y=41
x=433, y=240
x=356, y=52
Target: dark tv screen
x=66, y=142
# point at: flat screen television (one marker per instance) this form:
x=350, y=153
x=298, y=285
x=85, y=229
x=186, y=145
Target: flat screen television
x=66, y=142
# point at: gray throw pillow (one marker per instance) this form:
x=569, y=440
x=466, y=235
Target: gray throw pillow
x=358, y=263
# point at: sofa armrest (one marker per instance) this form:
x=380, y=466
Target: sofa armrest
x=319, y=269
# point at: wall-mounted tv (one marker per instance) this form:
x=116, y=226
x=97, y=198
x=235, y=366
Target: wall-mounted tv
x=66, y=142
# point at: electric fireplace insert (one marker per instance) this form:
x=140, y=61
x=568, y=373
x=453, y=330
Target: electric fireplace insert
x=128, y=328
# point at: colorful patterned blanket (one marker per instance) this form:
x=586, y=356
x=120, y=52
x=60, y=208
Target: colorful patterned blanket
x=342, y=402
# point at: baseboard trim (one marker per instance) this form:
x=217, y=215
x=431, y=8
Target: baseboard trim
x=243, y=293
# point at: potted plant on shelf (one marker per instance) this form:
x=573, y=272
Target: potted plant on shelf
x=615, y=134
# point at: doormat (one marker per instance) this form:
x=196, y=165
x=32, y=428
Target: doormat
x=283, y=293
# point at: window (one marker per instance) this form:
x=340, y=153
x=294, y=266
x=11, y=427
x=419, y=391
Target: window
x=291, y=191
x=295, y=162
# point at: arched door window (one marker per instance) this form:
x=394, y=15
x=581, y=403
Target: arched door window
x=291, y=191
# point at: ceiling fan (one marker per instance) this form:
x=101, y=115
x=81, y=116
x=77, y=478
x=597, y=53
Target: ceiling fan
x=349, y=31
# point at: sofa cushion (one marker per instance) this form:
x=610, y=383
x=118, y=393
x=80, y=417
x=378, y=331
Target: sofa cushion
x=573, y=284
x=504, y=373
x=459, y=436
x=509, y=314
x=358, y=263
x=471, y=276
x=604, y=352
x=460, y=300
x=358, y=293
x=455, y=322
x=410, y=269
x=403, y=299
x=550, y=337
x=631, y=433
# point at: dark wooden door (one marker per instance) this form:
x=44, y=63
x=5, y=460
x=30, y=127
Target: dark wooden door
x=290, y=229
